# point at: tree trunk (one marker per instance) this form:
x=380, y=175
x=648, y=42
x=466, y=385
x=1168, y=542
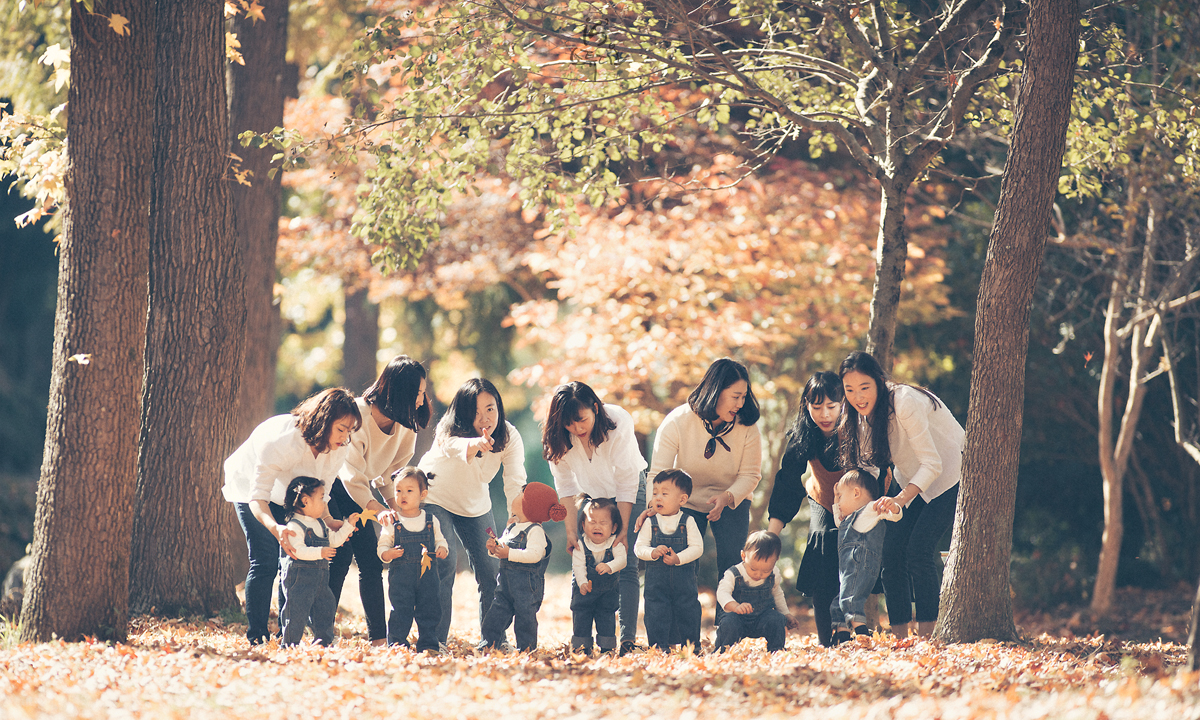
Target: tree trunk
x=195, y=328
x=1193, y=656
x=361, y=339
x=78, y=582
x=891, y=254
x=257, y=91
x=976, y=598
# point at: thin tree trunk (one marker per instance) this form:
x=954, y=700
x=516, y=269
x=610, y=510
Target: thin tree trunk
x=976, y=598
x=1114, y=528
x=891, y=254
x=1193, y=656
x=77, y=584
x=195, y=329
x=361, y=339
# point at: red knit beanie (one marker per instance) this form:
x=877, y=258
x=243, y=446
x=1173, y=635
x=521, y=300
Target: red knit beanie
x=540, y=504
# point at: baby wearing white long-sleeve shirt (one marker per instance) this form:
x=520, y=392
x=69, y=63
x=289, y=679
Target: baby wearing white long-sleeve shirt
x=595, y=563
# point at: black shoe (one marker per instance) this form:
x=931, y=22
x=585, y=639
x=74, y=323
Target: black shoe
x=839, y=637
x=863, y=630
x=629, y=647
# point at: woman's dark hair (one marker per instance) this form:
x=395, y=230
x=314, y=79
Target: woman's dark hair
x=459, y=420
x=316, y=415
x=720, y=375
x=565, y=407
x=763, y=545
x=298, y=488
x=395, y=393
x=880, y=454
x=589, y=503
x=412, y=471
x=804, y=436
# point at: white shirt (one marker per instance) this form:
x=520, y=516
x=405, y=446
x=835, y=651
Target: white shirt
x=669, y=524
x=579, y=559
x=679, y=443
x=535, y=543
x=867, y=519
x=387, y=533
x=308, y=552
x=274, y=454
x=614, y=469
x=461, y=482
x=728, y=580
x=926, y=444
x=373, y=456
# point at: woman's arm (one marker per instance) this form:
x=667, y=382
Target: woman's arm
x=513, y=458
x=750, y=469
x=788, y=491
x=912, y=414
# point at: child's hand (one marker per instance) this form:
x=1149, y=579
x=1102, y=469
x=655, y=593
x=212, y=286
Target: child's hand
x=670, y=558
x=744, y=609
x=603, y=569
x=441, y=553
x=353, y=520
x=659, y=551
x=390, y=555
x=792, y=622
x=328, y=552
x=585, y=588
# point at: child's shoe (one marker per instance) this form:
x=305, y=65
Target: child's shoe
x=841, y=636
x=863, y=630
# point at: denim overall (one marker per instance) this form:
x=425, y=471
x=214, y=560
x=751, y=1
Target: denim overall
x=306, y=593
x=519, y=591
x=414, y=595
x=672, y=613
x=860, y=556
x=598, y=606
x=765, y=621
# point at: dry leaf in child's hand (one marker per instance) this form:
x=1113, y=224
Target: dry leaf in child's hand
x=426, y=560
x=367, y=514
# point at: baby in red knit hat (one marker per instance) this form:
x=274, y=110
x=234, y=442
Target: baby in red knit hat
x=524, y=552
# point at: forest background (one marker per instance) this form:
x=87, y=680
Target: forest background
x=767, y=259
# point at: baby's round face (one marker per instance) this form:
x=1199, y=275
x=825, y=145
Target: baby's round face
x=757, y=569
x=597, y=525
x=849, y=498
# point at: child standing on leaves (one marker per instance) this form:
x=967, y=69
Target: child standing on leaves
x=524, y=552
x=751, y=593
x=307, y=597
x=670, y=543
x=594, y=568
x=408, y=545
x=860, y=551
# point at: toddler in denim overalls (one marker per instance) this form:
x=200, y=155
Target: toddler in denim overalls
x=409, y=545
x=860, y=551
x=751, y=593
x=307, y=599
x=524, y=552
x=670, y=543
x=595, y=594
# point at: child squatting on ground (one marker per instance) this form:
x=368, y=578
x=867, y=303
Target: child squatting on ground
x=307, y=597
x=860, y=551
x=670, y=543
x=595, y=594
x=412, y=575
x=524, y=552
x=751, y=593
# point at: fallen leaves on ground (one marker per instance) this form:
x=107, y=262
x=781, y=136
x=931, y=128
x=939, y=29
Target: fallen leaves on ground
x=180, y=669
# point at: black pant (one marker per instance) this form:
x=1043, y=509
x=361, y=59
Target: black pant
x=361, y=548
x=912, y=569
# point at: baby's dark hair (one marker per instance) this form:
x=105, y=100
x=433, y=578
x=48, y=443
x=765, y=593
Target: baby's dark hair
x=864, y=480
x=763, y=545
x=298, y=488
x=589, y=503
x=679, y=478
x=412, y=471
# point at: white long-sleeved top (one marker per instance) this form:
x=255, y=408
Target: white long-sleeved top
x=387, y=533
x=926, y=444
x=309, y=552
x=725, y=587
x=679, y=443
x=461, y=485
x=867, y=519
x=579, y=559
x=262, y=467
x=669, y=524
x=535, y=543
x=613, y=470
x=373, y=456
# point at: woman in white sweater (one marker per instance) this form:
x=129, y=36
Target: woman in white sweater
x=473, y=442
x=714, y=438
x=909, y=429
x=393, y=410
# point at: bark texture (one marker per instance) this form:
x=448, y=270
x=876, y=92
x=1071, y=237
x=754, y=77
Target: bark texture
x=361, y=339
x=976, y=597
x=891, y=255
x=78, y=583
x=195, y=328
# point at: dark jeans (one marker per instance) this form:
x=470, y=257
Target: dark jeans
x=472, y=532
x=264, y=566
x=818, y=573
x=517, y=601
x=729, y=534
x=912, y=568
x=361, y=548
x=414, y=596
x=308, y=601
x=859, y=558
x=630, y=585
x=672, y=604
x=768, y=624
x=598, y=607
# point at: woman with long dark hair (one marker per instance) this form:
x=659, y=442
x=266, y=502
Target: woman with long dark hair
x=910, y=430
x=394, y=409
x=592, y=451
x=812, y=444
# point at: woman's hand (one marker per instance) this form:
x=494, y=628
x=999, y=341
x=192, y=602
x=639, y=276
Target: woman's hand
x=643, y=518
x=284, y=534
x=334, y=524
x=479, y=445
x=719, y=503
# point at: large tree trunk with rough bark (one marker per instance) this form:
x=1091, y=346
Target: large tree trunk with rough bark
x=891, y=255
x=257, y=91
x=78, y=583
x=195, y=328
x=360, y=343
x=976, y=599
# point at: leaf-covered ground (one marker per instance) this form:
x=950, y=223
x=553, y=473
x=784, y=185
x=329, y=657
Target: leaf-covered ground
x=177, y=669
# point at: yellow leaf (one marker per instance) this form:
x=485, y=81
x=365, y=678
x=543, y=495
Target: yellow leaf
x=231, y=46
x=81, y=358
x=426, y=559
x=230, y=9
x=367, y=514
x=119, y=24
x=255, y=11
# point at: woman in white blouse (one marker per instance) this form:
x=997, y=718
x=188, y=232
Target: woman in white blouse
x=473, y=441
x=909, y=429
x=592, y=451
